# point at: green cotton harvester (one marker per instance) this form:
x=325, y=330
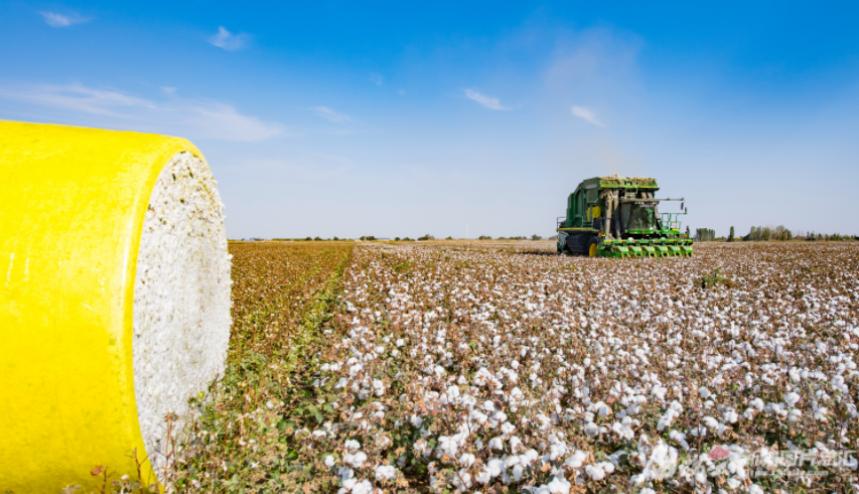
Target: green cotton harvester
x=620, y=217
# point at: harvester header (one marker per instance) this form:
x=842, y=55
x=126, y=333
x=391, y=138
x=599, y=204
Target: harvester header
x=619, y=217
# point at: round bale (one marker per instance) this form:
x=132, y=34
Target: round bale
x=114, y=300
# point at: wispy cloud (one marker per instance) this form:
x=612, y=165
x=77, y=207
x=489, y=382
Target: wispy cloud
x=56, y=19
x=173, y=114
x=331, y=115
x=587, y=115
x=222, y=121
x=77, y=98
x=226, y=40
x=484, y=100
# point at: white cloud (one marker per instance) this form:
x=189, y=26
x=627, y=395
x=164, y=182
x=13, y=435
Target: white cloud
x=56, y=19
x=76, y=98
x=228, y=41
x=587, y=115
x=221, y=121
x=331, y=115
x=193, y=118
x=484, y=100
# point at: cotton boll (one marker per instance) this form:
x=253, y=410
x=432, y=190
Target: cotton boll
x=679, y=438
x=602, y=409
x=660, y=465
x=452, y=394
x=466, y=460
x=623, y=429
x=462, y=480
x=794, y=415
x=416, y=421
x=713, y=424
x=558, y=485
x=491, y=470
x=385, y=472
x=730, y=416
x=791, y=399
x=356, y=459
x=577, y=459
x=674, y=410
x=595, y=472
x=347, y=484
x=494, y=466
x=515, y=444
x=449, y=445
x=530, y=456
x=556, y=450
x=607, y=466
x=352, y=445
x=516, y=472
x=362, y=487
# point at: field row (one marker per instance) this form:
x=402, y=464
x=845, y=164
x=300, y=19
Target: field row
x=241, y=440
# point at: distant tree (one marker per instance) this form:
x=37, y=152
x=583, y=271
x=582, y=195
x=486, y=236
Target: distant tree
x=536, y=237
x=757, y=233
x=448, y=237
x=426, y=236
x=731, y=234
x=484, y=237
x=317, y=238
x=705, y=234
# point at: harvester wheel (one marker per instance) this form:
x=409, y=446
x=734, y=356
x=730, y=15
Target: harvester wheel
x=576, y=244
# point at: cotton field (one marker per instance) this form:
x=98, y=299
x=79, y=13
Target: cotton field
x=469, y=367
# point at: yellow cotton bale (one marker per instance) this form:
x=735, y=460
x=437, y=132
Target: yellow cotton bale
x=114, y=300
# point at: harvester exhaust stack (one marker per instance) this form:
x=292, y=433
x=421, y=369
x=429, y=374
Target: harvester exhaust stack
x=619, y=217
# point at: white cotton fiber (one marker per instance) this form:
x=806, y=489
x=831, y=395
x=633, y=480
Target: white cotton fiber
x=181, y=298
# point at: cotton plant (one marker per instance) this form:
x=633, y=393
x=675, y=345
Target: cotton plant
x=466, y=369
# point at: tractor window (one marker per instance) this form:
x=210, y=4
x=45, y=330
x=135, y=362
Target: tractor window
x=581, y=208
x=642, y=218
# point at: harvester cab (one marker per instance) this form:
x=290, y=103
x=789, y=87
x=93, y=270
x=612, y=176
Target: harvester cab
x=620, y=217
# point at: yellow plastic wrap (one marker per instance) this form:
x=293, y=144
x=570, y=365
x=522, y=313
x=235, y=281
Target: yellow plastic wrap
x=72, y=204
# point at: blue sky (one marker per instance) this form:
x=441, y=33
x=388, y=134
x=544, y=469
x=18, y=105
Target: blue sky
x=325, y=118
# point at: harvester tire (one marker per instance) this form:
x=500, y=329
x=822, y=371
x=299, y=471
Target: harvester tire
x=577, y=243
